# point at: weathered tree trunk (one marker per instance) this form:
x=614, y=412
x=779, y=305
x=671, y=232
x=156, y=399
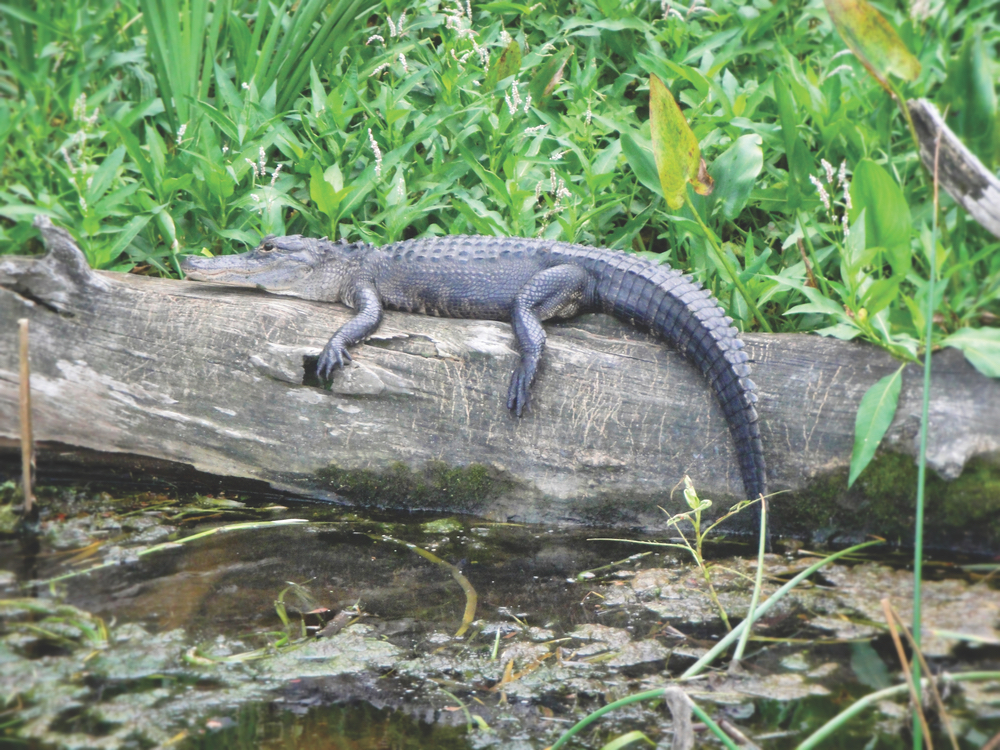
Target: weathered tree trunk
x=219, y=378
x=974, y=187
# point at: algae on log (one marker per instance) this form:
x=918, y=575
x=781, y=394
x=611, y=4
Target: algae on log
x=220, y=379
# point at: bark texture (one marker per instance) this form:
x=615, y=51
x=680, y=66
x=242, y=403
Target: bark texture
x=974, y=187
x=219, y=378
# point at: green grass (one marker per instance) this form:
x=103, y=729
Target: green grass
x=155, y=128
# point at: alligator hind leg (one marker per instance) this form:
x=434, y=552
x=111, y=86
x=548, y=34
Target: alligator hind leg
x=557, y=292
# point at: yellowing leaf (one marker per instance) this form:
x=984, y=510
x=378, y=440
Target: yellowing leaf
x=508, y=64
x=549, y=75
x=873, y=40
x=675, y=147
x=702, y=182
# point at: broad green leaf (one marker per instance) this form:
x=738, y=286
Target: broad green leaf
x=607, y=24
x=21, y=212
x=477, y=215
x=607, y=159
x=497, y=186
x=508, y=64
x=817, y=302
x=502, y=6
x=548, y=76
x=35, y=19
x=113, y=200
x=842, y=331
x=322, y=191
x=226, y=95
x=887, y=215
x=220, y=182
x=916, y=314
x=823, y=308
x=856, y=254
x=164, y=220
x=735, y=173
x=316, y=90
x=878, y=407
x=695, y=77
x=333, y=175
x=126, y=235
x=675, y=147
x=642, y=162
x=137, y=155
x=796, y=156
x=157, y=150
x=981, y=347
x=101, y=180
x=900, y=257
x=881, y=293
x=787, y=117
x=172, y=184
x=873, y=40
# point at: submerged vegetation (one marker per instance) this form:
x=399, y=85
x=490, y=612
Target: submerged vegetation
x=190, y=622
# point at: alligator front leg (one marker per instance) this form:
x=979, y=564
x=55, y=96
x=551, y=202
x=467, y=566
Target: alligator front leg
x=560, y=291
x=356, y=330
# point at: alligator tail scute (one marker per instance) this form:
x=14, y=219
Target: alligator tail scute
x=687, y=316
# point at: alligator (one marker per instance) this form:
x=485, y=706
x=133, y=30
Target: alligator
x=523, y=281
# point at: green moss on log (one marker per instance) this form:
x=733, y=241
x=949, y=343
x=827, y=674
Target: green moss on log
x=962, y=512
x=438, y=486
x=883, y=499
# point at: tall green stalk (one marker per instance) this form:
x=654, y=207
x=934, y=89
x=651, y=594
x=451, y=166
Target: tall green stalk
x=918, y=531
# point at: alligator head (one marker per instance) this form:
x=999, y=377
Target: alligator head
x=294, y=265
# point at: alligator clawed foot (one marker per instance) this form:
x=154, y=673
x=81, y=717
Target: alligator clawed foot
x=519, y=393
x=333, y=356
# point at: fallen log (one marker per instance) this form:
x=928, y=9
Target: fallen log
x=974, y=187
x=221, y=379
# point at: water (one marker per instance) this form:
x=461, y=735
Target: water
x=335, y=632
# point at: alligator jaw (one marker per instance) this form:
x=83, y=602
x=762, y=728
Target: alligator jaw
x=218, y=275
x=239, y=270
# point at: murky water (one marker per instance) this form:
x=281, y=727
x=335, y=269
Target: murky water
x=311, y=627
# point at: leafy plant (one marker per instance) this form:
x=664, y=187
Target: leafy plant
x=695, y=545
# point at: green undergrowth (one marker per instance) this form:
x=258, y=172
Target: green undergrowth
x=423, y=118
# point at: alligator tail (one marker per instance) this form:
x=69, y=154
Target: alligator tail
x=677, y=308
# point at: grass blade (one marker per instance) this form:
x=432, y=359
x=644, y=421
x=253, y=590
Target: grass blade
x=702, y=664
